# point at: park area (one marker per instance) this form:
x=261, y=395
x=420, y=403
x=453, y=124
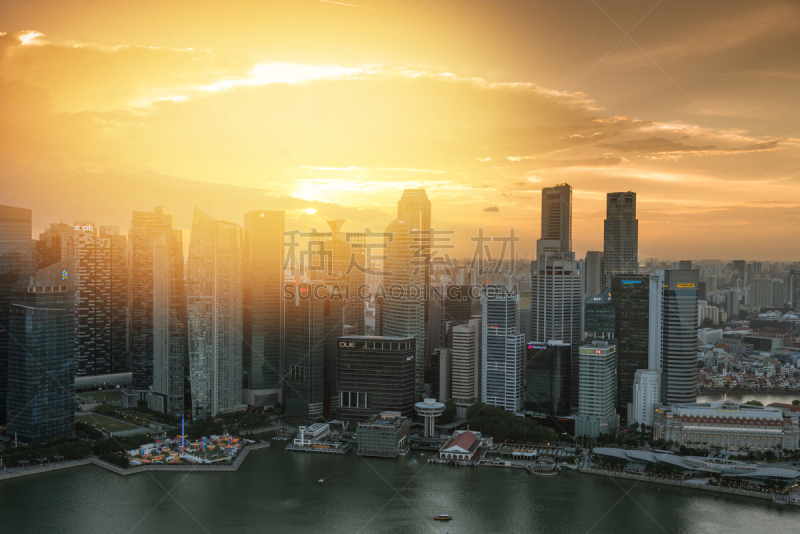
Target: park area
x=113, y=395
x=101, y=422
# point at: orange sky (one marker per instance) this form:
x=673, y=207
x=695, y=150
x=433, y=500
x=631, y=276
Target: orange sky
x=330, y=109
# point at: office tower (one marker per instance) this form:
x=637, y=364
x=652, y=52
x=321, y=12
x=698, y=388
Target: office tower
x=701, y=290
x=465, y=347
x=620, y=236
x=556, y=302
x=593, y=273
x=752, y=271
x=546, y=247
x=53, y=245
x=502, y=351
x=631, y=298
x=41, y=364
x=685, y=265
x=17, y=264
x=646, y=393
x=333, y=318
x=349, y=258
x=673, y=338
x=146, y=227
x=263, y=307
x=711, y=283
x=557, y=215
x=403, y=306
x=599, y=317
x=17, y=248
x=778, y=293
x=376, y=374
x=598, y=368
x=304, y=381
x=101, y=299
x=214, y=304
x=548, y=378
x=170, y=339
x=442, y=378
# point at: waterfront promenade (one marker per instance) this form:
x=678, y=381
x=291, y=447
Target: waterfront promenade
x=682, y=484
x=17, y=472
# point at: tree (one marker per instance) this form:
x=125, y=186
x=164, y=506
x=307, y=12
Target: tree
x=796, y=402
x=754, y=403
x=707, y=322
x=449, y=413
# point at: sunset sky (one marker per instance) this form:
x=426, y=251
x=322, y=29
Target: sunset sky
x=329, y=109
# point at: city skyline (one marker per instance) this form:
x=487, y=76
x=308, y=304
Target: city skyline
x=483, y=119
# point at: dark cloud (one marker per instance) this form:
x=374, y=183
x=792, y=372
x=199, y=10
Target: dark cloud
x=493, y=209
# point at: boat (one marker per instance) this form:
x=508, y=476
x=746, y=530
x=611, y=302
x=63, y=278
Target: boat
x=321, y=481
x=443, y=517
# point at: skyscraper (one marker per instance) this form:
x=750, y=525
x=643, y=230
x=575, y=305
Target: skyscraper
x=263, y=306
x=100, y=281
x=548, y=378
x=673, y=333
x=792, y=289
x=557, y=215
x=598, y=393
x=304, y=383
x=465, y=347
x=215, y=315
x=620, y=236
x=170, y=339
x=593, y=273
x=146, y=227
x=404, y=283
x=502, y=351
x=41, y=367
x=630, y=296
x=556, y=303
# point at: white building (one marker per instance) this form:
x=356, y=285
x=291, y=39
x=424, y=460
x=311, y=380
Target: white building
x=598, y=393
x=502, y=350
x=646, y=393
x=466, y=362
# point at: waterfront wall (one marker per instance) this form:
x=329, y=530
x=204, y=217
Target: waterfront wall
x=93, y=460
x=629, y=476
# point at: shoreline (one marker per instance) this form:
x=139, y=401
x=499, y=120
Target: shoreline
x=93, y=460
x=717, y=489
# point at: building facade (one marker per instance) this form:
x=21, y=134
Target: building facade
x=383, y=436
x=646, y=394
x=375, y=374
x=214, y=304
x=503, y=350
x=620, y=236
x=548, y=378
x=598, y=375
x=465, y=348
x=631, y=298
x=557, y=216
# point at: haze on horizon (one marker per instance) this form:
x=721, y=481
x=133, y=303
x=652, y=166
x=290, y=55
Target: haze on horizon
x=328, y=110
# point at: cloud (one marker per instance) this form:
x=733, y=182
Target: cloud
x=492, y=209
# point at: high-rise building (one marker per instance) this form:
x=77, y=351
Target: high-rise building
x=214, y=303
x=620, y=236
x=557, y=215
x=740, y=266
x=100, y=281
x=170, y=335
x=793, y=289
x=304, y=381
x=593, y=273
x=752, y=271
x=646, y=394
x=465, y=347
x=41, y=364
x=17, y=264
x=556, y=304
x=502, y=351
x=599, y=317
x=375, y=374
x=548, y=378
x=673, y=333
x=53, y=245
x=403, y=307
x=631, y=298
x=598, y=369
x=263, y=307
x=146, y=227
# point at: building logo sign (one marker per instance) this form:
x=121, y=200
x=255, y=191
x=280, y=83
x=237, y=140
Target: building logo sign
x=629, y=282
x=685, y=286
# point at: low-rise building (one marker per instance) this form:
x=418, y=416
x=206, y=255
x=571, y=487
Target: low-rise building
x=728, y=425
x=384, y=435
x=462, y=447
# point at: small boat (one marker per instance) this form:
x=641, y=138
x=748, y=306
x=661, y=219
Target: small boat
x=321, y=481
x=443, y=517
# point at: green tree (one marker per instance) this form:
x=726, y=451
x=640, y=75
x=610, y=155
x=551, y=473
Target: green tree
x=707, y=322
x=796, y=402
x=449, y=413
x=754, y=403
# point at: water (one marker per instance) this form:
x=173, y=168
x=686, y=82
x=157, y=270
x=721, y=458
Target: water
x=277, y=491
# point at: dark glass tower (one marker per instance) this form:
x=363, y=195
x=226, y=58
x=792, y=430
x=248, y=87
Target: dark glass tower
x=630, y=296
x=548, y=373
